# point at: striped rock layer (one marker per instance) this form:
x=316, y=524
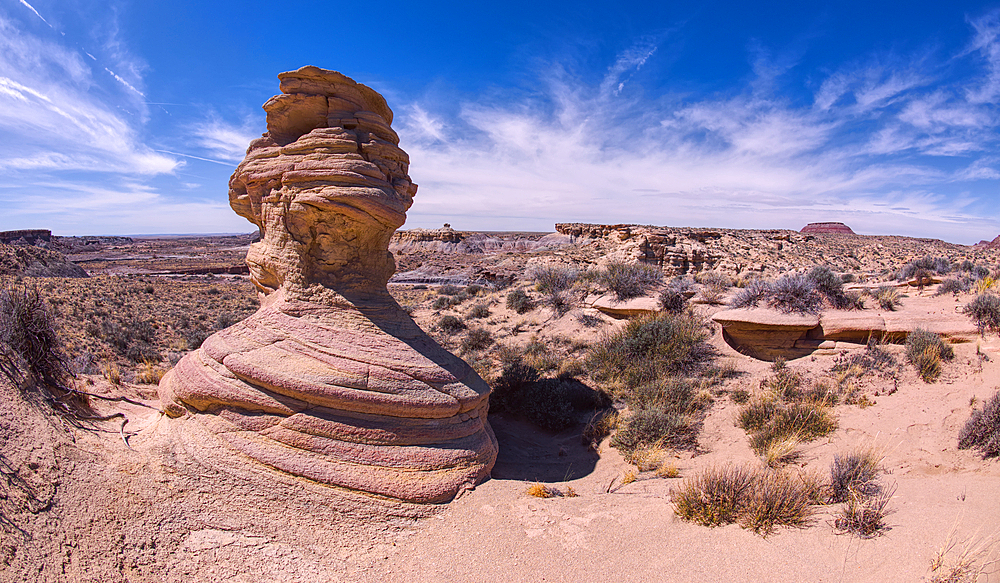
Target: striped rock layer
x=331, y=380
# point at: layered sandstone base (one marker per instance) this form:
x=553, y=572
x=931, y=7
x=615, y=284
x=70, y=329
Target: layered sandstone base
x=356, y=398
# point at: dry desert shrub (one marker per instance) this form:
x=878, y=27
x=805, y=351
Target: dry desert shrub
x=519, y=301
x=552, y=279
x=479, y=310
x=675, y=296
x=855, y=473
x=925, y=350
x=149, y=375
x=928, y=264
x=476, y=339
x=757, y=499
x=984, y=310
x=649, y=348
x=785, y=414
x=627, y=280
x=982, y=430
x=952, y=286
x=29, y=340
x=864, y=516
x=553, y=404
x=647, y=427
x=539, y=490
x=450, y=324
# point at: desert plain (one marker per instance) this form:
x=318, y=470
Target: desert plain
x=132, y=497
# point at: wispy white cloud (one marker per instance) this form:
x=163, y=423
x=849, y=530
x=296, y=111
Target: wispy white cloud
x=57, y=116
x=32, y=8
x=868, y=150
x=986, y=42
x=224, y=140
x=626, y=65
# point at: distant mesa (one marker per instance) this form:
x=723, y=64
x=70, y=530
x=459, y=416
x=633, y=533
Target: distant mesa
x=827, y=228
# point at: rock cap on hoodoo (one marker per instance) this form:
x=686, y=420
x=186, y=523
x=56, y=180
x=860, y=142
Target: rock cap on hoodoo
x=832, y=227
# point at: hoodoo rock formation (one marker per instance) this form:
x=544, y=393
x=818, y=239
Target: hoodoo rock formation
x=331, y=380
x=827, y=228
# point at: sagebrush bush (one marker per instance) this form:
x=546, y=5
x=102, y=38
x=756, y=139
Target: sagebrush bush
x=674, y=297
x=628, y=280
x=855, y=473
x=476, y=339
x=756, y=499
x=794, y=293
x=982, y=430
x=940, y=265
x=984, y=310
x=450, y=324
x=827, y=283
x=518, y=301
x=951, y=286
x=449, y=290
x=551, y=279
x=479, y=310
x=649, y=348
x=751, y=295
x=925, y=350
x=647, y=427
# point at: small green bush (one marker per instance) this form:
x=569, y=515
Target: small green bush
x=449, y=290
x=649, y=348
x=473, y=289
x=518, y=301
x=984, y=310
x=982, y=430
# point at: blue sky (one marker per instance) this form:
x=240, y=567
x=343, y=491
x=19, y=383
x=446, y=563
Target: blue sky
x=128, y=117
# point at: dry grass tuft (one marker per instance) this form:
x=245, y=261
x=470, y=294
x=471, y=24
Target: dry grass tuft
x=965, y=560
x=757, y=499
x=149, y=375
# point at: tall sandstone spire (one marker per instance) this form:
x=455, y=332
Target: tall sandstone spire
x=331, y=380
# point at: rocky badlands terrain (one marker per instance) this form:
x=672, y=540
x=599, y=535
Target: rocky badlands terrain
x=289, y=406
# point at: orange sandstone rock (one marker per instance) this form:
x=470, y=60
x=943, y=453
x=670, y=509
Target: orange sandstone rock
x=331, y=380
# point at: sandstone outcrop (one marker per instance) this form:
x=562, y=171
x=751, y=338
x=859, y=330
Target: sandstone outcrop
x=827, y=229
x=767, y=334
x=331, y=380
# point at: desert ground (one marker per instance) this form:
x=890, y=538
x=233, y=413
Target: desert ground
x=131, y=497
